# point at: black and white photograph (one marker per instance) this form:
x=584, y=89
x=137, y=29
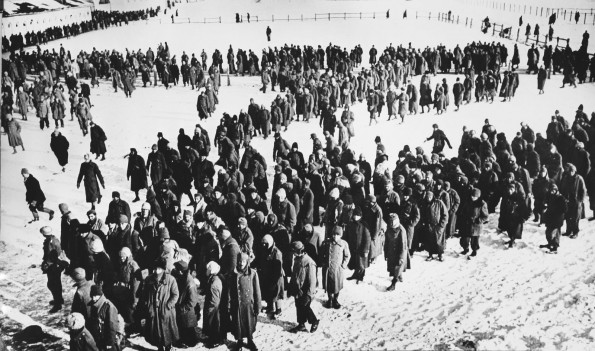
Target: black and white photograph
x=297, y=175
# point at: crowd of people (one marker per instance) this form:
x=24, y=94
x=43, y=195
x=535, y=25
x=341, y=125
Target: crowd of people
x=245, y=239
x=99, y=20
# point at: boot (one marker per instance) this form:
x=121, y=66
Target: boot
x=392, y=285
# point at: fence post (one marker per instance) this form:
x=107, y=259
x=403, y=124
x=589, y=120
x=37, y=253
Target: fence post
x=314, y=17
x=273, y=18
x=287, y=17
x=415, y=14
x=470, y=22
x=329, y=16
x=429, y=15
x=457, y=19
x=466, y=20
x=344, y=15
x=517, y=33
x=219, y=19
x=302, y=17
x=360, y=15
x=541, y=11
x=204, y=20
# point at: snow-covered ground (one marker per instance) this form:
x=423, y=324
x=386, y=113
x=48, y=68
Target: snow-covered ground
x=517, y=298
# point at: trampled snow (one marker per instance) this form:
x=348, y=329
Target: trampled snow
x=518, y=298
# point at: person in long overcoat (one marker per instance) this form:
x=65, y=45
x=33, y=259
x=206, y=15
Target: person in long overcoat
x=334, y=258
x=554, y=218
x=136, y=173
x=392, y=102
x=98, y=139
x=303, y=287
x=91, y=173
x=458, y=90
x=474, y=212
x=572, y=187
x=357, y=236
x=541, y=77
x=185, y=307
x=396, y=250
x=158, y=300
x=270, y=271
x=211, y=323
x=425, y=91
x=59, y=145
x=434, y=218
x=13, y=131
x=243, y=301
x=513, y=213
x=156, y=165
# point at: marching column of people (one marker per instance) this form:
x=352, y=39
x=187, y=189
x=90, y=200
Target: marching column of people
x=144, y=272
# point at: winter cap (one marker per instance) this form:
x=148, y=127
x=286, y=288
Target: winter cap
x=348, y=200
x=181, y=266
x=63, y=207
x=154, y=147
x=125, y=252
x=371, y=198
x=243, y=221
x=187, y=213
x=96, y=246
x=79, y=274
x=297, y=247
x=268, y=239
x=115, y=194
x=24, y=171
x=407, y=192
x=46, y=230
x=96, y=290
x=334, y=193
x=91, y=212
x=146, y=206
x=476, y=193
x=161, y=262
x=213, y=268
x=163, y=233
x=123, y=219
x=75, y=321
x=357, y=212
x=337, y=230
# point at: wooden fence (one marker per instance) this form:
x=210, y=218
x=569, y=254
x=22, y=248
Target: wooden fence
x=585, y=15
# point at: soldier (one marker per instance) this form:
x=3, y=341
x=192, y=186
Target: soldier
x=53, y=266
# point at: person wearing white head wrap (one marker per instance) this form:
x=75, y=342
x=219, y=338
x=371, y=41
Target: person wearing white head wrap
x=211, y=324
x=80, y=337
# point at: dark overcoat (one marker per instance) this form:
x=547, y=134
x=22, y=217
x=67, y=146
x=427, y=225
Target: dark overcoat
x=59, y=146
x=396, y=251
x=137, y=173
x=358, y=238
x=244, y=302
x=91, y=173
x=159, y=297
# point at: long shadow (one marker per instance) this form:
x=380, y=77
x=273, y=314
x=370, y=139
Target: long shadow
x=280, y=323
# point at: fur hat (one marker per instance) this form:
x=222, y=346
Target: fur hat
x=46, y=230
